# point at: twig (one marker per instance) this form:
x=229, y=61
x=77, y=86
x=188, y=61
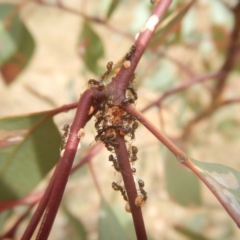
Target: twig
x=182, y=87
x=125, y=168
x=10, y=234
x=225, y=69
x=181, y=156
x=96, y=20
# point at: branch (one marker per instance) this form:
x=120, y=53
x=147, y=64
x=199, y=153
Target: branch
x=119, y=84
x=96, y=20
x=171, y=146
x=182, y=87
x=10, y=234
x=230, y=60
x=86, y=101
x=126, y=171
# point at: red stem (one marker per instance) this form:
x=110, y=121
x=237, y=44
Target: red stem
x=66, y=161
x=40, y=209
x=126, y=171
x=171, y=146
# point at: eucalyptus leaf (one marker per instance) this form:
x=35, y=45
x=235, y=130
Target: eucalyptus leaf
x=182, y=185
x=109, y=226
x=29, y=148
x=224, y=182
x=17, y=44
x=92, y=46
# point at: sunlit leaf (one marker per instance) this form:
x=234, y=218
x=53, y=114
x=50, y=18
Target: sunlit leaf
x=112, y=7
x=29, y=148
x=78, y=230
x=109, y=226
x=90, y=47
x=170, y=25
x=224, y=182
x=181, y=184
x=16, y=43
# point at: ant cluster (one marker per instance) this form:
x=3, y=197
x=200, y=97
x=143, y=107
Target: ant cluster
x=113, y=121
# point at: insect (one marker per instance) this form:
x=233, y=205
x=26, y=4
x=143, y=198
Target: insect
x=115, y=163
x=118, y=187
x=134, y=150
x=127, y=100
x=96, y=83
x=143, y=192
x=135, y=125
x=134, y=170
x=109, y=69
x=130, y=53
x=66, y=129
x=133, y=92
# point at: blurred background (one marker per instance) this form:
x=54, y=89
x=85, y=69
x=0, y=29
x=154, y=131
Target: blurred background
x=191, y=42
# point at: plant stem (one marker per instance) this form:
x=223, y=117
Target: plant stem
x=65, y=164
x=126, y=171
x=171, y=146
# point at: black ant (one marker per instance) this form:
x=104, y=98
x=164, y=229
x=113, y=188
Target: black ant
x=115, y=163
x=135, y=125
x=93, y=82
x=66, y=129
x=127, y=100
x=133, y=92
x=134, y=170
x=118, y=187
x=109, y=69
x=142, y=191
x=130, y=53
x=133, y=158
x=134, y=150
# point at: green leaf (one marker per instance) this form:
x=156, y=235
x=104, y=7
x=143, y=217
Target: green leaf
x=78, y=230
x=109, y=226
x=112, y=7
x=181, y=184
x=170, y=25
x=29, y=148
x=224, y=182
x=92, y=47
x=17, y=44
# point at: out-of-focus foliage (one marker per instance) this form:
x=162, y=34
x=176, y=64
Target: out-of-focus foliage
x=29, y=148
x=17, y=44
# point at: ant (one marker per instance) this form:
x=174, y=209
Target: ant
x=127, y=100
x=115, y=163
x=134, y=150
x=97, y=83
x=133, y=92
x=130, y=53
x=134, y=170
x=100, y=84
x=142, y=191
x=66, y=129
x=109, y=69
x=118, y=187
